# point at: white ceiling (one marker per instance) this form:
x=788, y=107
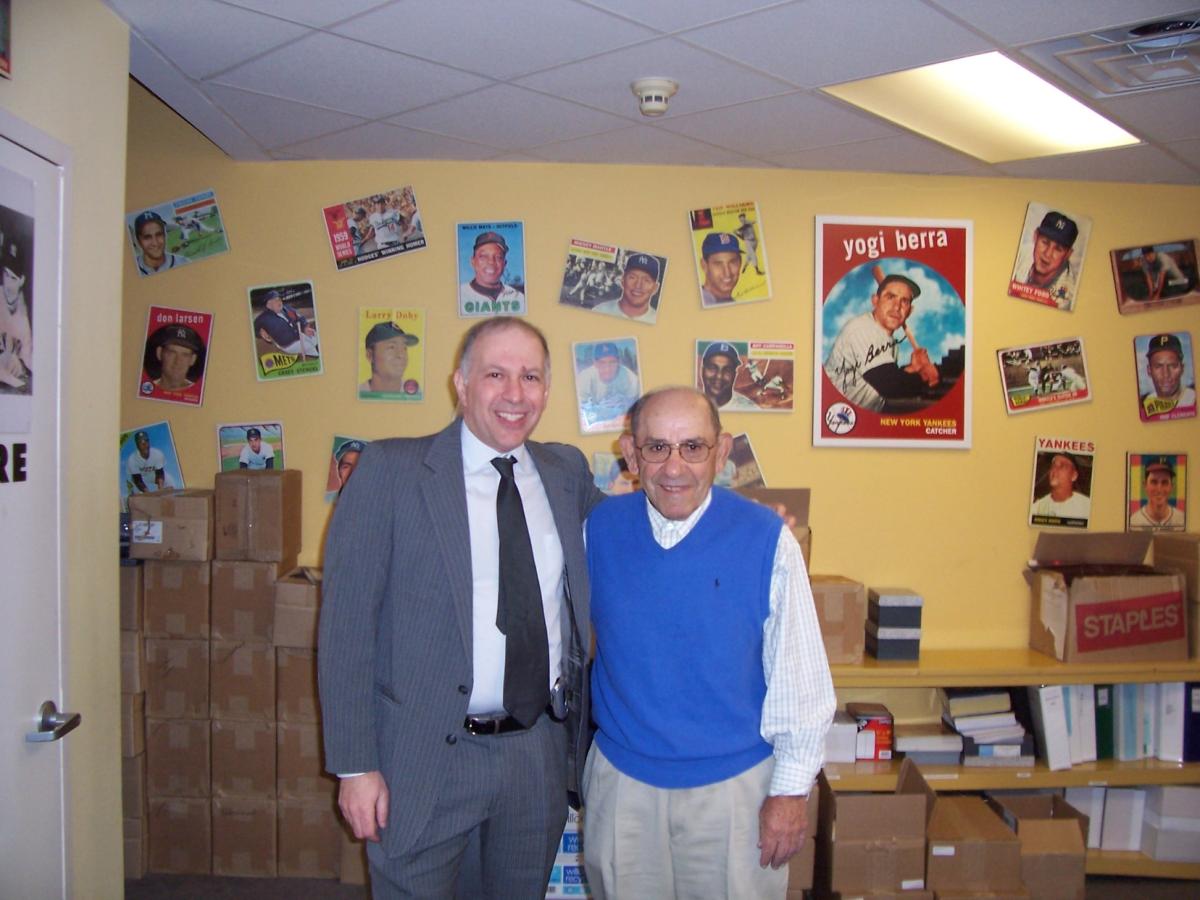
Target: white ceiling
x=548, y=80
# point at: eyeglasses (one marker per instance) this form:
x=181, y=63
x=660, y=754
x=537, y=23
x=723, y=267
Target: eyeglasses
x=660, y=451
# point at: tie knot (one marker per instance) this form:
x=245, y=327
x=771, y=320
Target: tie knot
x=504, y=465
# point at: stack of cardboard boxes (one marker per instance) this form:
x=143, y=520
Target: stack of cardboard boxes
x=134, y=808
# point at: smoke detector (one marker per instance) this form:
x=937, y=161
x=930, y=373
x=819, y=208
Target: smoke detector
x=653, y=94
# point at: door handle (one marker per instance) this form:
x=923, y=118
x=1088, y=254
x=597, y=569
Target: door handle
x=52, y=724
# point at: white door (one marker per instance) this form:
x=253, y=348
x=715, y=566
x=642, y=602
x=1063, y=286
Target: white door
x=32, y=859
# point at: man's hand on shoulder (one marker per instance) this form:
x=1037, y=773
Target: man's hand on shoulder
x=782, y=823
x=363, y=800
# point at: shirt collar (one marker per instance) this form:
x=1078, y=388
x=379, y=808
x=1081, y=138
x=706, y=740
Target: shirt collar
x=660, y=523
x=478, y=456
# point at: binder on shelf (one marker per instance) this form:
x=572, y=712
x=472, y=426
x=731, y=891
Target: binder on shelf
x=1048, y=709
x=1080, y=700
x=1105, y=725
x=1191, y=722
x=1147, y=707
x=1168, y=722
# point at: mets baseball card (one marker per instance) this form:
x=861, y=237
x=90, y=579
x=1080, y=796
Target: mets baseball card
x=746, y=376
x=148, y=461
x=250, y=445
x=607, y=382
x=1155, y=276
x=174, y=234
x=730, y=254
x=391, y=355
x=175, y=355
x=1166, y=376
x=1050, y=257
x=1156, y=491
x=283, y=325
x=613, y=281
x=343, y=459
x=1039, y=376
x=374, y=227
x=892, y=333
x=491, y=269
x=1063, y=473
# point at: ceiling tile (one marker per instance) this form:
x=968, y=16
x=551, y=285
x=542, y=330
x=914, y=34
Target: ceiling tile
x=1022, y=21
x=1189, y=151
x=1143, y=164
x=671, y=16
x=378, y=140
x=318, y=13
x=355, y=78
x=274, y=122
x=906, y=153
x=642, y=144
x=1158, y=115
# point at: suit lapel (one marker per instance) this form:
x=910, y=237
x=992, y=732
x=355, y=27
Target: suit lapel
x=445, y=494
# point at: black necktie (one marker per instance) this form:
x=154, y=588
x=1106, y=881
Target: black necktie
x=519, y=610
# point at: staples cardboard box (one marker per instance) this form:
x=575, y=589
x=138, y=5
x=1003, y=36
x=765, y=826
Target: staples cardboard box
x=171, y=525
x=177, y=678
x=297, y=603
x=296, y=685
x=133, y=786
x=178, y=595
x=243, y=599
x=177, y=758
x=258, y=515
x=180, y=836
x=243, y=836
x=310, y=844
x=970, y=848
x=796, y=500
x=131, y=595
x=1181, y=553
x=1084, y=611
x=133, y=663
x=842, y=613
x=299, y=764
x=243, y=759
x=243, y=681
x=137, y=846
x=133, y=724
x=869, y=843
x=1053, y=836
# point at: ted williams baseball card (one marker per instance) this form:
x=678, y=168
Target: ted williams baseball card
x=343, y=458
x=1063, y=471
x=747, y=376
x=374, y=227
x=1166, y=376
x=607, y=382
x=283, y=324
x=613, y=281
x=250, y=445
x=1155, y=276
x=175, y=355
x=176, y=233
x=391, y=354
x=1038, y=376
x=491, y=269
x=1156, y=491
x=148, y=461
x=892, y=336
x=730, y=254
x=1050, y=257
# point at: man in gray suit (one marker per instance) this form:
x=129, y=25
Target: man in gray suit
x=411, y=660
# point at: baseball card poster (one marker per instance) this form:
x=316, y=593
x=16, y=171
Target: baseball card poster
x=1050, y=257
x=374, y=227
x=607, y=382
x=250, y=445
x=1156, y=491
x=170, y=235
x=730, y=254
x=175, y=355
x=343, y=458
x=1062, y=482
x=148, y=461
x=613, y=281
x=892, y=336
x=491, y=269
x=391, y=355
x=1040, y=376
x=1166, y=376
x=611, y=474
x=747, y=376
x=1155, y=276
x=283, y=322
x=16, y=312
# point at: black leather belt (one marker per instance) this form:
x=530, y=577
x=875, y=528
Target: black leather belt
x=494, y=724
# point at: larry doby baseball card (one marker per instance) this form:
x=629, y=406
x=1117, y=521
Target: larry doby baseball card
x=892, y=336
x=1050, y=256
x=613, y=281
x=175, y=355
x=283, y=324
x=1039, y=376
x=148, y=461
x=343, y=458
x=491, y=269
x=730, y=253
x=374, y=227
x=171, y=235
x=1063, y=470
x=250, y=445
x=1156, y=491
x=607, y=382
x=746, y=376
x=391, y=355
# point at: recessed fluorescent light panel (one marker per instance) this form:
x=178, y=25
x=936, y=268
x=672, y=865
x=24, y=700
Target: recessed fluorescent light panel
x=986, y=106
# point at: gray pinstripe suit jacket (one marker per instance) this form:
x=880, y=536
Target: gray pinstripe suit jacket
x=395, y=644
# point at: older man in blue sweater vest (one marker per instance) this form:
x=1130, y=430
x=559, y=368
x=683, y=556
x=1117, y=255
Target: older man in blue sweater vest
x=711, y=692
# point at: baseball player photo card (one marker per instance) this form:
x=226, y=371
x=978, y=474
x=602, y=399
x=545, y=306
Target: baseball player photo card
x=16, y=312
x=491, y=269
x=746, y=376
x=613, y=281
x=175, y=355
x=1156, y=491
x=343, y=458
x=741, y=468
x=148, y=461
x=1038, y=376
x=283, y=325
x=374, y=227
x=250, y=445
x=892, y=335
x=611, y=474
x=391, y=355
x=1155, y=276
x=730, y=254
x=173, y=234
x=607, y=382
x=1050, y=256
x=1062, y=483
x=6, y=38
x=1166, y=376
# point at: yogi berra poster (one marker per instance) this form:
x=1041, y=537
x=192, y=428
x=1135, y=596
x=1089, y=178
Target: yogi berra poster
x=892, y=338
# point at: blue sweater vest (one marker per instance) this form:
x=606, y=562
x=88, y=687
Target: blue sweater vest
x=677, y=685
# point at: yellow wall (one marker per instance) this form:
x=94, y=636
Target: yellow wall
x=952, y=524
x=71, y=69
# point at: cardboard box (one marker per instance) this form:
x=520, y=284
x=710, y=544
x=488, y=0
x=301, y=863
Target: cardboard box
x=171, y=525
x=133, y=663
x=131, y=595
x=1090, y=802
x=1181, y=553
x=841, y=740
x=133, y=724
x=353, y=869
x=842, y=613
x=177, y=678
x=242, y=685
x=133, y=786
x=1017, y=893
x=178, y=597
x=893, y=643
x=299, y=769
x=243, y=836
x=137, y=846
x=296, y=685
x=243, y=599
x=868, y=843
x=800, y=866
x=243, y=759
x=1053, y=836
x=1083, y=611
x=177, y=758
x=796, y=500
x=297, y=604
x=180, y=836
x=894, y=607
x=970, y=848
x=1171, y=827
x=258, y=515
x=310, y=843
x=874, y=723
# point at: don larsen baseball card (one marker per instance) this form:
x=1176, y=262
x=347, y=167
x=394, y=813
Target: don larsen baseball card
x=176, y=355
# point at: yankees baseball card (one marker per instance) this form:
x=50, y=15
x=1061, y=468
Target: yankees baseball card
x=1155, y=276
x=1063, y=475
x=250, y=445
x=491, y=269
x=1156, y=491
x=374, y=227
x=607, y=382
x=746, y=376
x=1050, y=256
x=730, y=253
x=174, y=234
x=176, y=355
x=611, y=474
x=1040, y=376
x=17, y=197
x=343, y=459
x=613, y=281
